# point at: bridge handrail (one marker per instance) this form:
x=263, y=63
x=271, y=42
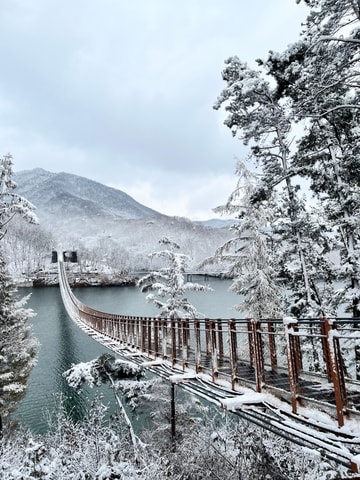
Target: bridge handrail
x=269, y=355
x=218, y=346
x=264, y=321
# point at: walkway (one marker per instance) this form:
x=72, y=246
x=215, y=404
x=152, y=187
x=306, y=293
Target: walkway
x=297, y=378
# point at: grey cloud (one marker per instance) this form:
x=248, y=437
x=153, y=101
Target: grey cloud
x=125, y=88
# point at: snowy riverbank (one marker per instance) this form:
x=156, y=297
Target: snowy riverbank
x=80, y=280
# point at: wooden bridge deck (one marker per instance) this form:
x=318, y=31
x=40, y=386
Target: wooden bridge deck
x=296, y=368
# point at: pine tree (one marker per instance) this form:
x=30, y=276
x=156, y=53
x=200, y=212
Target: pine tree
x=319, y=75
x=17, y=346
x=247, y=254
x=264, y=120
x=170, y=284
x=11, y=203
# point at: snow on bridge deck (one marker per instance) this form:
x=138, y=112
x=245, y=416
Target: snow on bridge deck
x=298, y=379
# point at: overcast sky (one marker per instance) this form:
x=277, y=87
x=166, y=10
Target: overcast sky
x=121, y=91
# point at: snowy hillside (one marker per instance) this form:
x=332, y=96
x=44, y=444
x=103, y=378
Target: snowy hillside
x=100, y=223
x=75, y=196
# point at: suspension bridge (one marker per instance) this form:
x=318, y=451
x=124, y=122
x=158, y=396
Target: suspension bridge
x=297, y=378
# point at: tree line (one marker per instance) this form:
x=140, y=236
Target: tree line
x=298, y=195
x=297, y=202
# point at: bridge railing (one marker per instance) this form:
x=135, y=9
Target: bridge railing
x=300, y=361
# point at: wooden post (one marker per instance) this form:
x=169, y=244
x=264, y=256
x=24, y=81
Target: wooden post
x=185, y=341
x=207, y=337
x=250, y=342
x=126, y=321
x=179, y=339
x=149, y=332
x=164, y=331
x=131, y=328
x=137, y=331
x=156, y=336
x=143, y=333
x=325, y=347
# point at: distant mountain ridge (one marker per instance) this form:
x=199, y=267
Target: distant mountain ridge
x=103, y=224
x=75, y=196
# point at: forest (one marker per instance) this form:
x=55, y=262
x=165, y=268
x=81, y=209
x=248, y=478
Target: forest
x=297, y=230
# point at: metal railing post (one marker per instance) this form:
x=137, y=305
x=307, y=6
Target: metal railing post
x=258, y=353
x=214, y=352
x=197, y=345
x=272, y=346
x=173, y=341
x=233, y=353
x=220, y=338
x=185, y=342
x=335, y=366
x=292, y=354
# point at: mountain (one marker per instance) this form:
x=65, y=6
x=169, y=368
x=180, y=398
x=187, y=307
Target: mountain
x=103, y=225
x=63, y=194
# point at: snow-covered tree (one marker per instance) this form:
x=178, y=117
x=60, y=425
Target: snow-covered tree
x=107, y=369
x=17, y=346
x=264, y=120
x=215, y=445
x=247, y=256
x=320, y=76
x=169, y=283
x=11, y=203
x=27, y=248
x=91, y=449
x=220, y=446
x=102, y=370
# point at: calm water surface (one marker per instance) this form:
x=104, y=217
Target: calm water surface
x=63, y=343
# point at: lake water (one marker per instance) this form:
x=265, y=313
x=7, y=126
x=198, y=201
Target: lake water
x=63, y=343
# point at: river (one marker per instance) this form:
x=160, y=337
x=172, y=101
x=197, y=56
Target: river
x=63, y=343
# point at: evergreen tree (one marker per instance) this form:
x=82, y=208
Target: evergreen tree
x=17, y=346
x=320, y=76
x=264, y=120
x=11, y=203
x=247, y=253
x=170, y=284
